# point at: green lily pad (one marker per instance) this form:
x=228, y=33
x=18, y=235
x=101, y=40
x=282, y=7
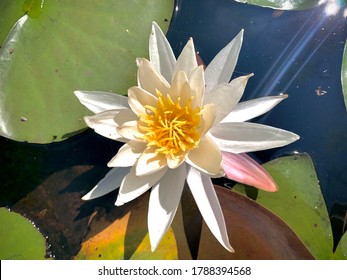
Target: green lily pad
x=299, y=202
x=283, y=4
x=19, y=239
x=341, y=250
x=10, y=12
x=344, y=74
x=33, y=8
x=64, y=46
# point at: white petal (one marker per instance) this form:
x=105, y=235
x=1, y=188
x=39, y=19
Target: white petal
x=149, y=162
x=208, y=204
x=222, y=66
x=124, y=115
x=160, y=52
x=106, y=123
x=226, y=96
x=129, y=130
x=187, y=60
x=208, y=115
x=138, y=98
x=163, y=203
x=180, y=87
x=128, y=154
x=249, y=137
x=98, y=101
x=133, y=186
x=248, y=110
x=149, y=78
x=110, y=182
x=206, y=158
x=197, y=85
x=176, y=161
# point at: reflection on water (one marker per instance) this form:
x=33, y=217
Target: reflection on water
x=296, y=52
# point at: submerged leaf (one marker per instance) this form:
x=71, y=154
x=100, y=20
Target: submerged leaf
x=64, y=46
x=127, y=236
x=299, y=202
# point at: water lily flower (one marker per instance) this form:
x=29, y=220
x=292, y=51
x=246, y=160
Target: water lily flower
x=183, y=124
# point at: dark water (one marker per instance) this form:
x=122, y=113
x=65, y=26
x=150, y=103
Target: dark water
x=296, y=52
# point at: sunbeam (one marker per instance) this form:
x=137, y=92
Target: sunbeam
x=299, y=43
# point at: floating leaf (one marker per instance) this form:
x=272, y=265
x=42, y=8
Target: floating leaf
x=299, y=202
x=254, y=233
x=10, y=12
x=283, y=4
x=61, y=46
x=341, y=250
x=19, y=239
x=33, y=8
x=344, y=73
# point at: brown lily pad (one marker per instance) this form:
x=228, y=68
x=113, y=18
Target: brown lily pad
x=254, y=233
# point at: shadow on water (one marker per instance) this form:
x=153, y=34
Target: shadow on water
x=46, y=182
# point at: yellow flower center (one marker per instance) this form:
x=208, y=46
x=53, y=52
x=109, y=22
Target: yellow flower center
x=171, y=128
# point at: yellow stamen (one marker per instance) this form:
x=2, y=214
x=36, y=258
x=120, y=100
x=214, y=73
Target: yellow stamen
x=172, y=127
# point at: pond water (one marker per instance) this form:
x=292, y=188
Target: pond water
x=294, y=52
